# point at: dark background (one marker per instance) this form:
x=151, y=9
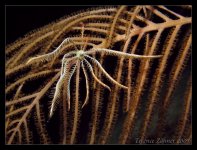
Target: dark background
x=23, y=19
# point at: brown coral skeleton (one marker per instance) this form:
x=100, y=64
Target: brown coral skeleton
x=70, y=64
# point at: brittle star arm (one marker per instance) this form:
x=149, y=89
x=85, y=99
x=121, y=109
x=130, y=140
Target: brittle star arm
x=87, y=85
x=94, y=76
x=65, y=58
x=65, y=76
x=118, y=53
x=58, y=87
x=50, y=56
x=68, y=83
x=105, y=73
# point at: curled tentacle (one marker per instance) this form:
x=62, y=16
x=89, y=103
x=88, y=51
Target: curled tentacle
x=105, y=73
x=94, y=76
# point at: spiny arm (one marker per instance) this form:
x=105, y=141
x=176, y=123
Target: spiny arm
x=58, y=87
x=56, y=96
x=68, y=85
x=50, y=56
x=66, y=58
x=94, y=76
x=87, y=85
x=119, y=54
x=105, y=73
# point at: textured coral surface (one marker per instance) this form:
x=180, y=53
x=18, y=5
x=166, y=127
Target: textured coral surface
x=155, y=108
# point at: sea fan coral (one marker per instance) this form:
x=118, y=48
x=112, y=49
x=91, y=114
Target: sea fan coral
x=155, y=108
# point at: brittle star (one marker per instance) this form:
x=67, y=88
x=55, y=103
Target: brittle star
x=77, y=58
